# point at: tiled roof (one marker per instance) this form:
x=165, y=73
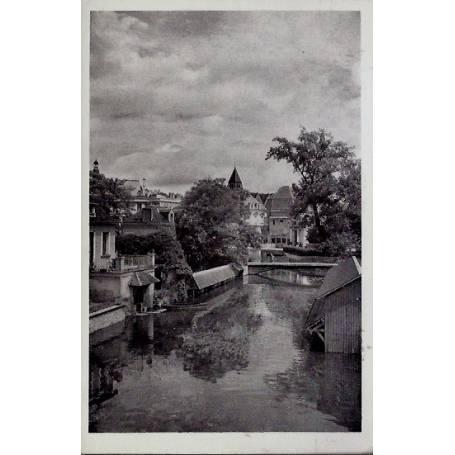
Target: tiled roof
x=279, y=204
x=209, y=277
x=142, y=279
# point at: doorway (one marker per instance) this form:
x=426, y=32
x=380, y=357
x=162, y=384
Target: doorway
x=138, y=297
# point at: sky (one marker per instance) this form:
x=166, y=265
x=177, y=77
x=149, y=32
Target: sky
x=180, y=96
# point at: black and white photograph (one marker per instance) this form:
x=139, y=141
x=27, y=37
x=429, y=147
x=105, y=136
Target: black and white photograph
x=225, y=191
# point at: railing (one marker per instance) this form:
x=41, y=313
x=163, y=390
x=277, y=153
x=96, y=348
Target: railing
x=134, y=262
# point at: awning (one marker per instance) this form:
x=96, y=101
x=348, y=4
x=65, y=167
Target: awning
x=142, y=279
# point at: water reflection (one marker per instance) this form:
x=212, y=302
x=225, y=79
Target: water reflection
x=289, y=277
x=208, y=357
x=240, y=365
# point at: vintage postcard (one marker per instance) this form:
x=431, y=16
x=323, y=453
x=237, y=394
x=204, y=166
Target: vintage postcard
x=226, y=170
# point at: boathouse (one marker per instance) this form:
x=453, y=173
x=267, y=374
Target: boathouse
x=334, y=321
x=206, y=280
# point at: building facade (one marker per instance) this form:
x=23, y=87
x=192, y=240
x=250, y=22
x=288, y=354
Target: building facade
x=143, y=195
x=150, y=220
x=118, y=280
x=102, y=243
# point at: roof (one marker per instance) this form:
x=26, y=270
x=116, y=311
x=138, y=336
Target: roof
x=280, y=203
x=213, y=276
x=340, y=275
x=336, y=278
x=158, y=215
x=142, y=279
x=235, y=180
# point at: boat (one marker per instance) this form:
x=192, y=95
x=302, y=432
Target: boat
x=146, y=313
x=186, y=306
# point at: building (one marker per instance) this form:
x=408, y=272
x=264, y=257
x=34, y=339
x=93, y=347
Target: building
x=140, y=193
x=235, y=183
x=334, y=320
x=284, y=229
x=102, y=242
x=270, y=215
x=258, y=216
x=150, y=220
x=128, y=281
x=280, y=222
x=143, y=195
x=165, y=200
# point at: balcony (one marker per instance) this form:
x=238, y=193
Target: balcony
x=134, y=262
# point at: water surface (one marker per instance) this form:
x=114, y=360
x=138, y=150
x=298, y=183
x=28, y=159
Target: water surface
x=240, y=365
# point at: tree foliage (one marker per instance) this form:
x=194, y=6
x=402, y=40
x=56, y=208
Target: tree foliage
x=210, y=226
x=108, y=195
x=327, y=196
x=169, y=253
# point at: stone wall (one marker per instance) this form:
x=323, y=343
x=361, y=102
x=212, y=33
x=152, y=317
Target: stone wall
x=106, y=317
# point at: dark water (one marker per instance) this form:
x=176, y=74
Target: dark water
x=240, y=365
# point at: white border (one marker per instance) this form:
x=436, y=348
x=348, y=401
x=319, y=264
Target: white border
x=142, y=443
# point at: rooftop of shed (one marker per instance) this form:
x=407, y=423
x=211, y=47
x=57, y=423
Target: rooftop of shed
x=338, y=276
x=216, y=275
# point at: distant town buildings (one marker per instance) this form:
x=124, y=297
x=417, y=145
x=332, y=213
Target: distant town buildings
x=270, y=215
x=143, y=195
x=149, y=220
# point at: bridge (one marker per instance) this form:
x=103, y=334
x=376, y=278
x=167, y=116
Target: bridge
x=309, y=268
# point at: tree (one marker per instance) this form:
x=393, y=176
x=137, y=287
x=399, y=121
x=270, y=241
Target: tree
x=168, y=251
x=108, y=195
x=327, y=196
x=210, y=226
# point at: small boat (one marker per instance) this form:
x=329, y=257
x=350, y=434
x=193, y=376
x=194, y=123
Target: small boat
x=146, y=313
x=186, y=306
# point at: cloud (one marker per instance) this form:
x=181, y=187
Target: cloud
x=177, y=96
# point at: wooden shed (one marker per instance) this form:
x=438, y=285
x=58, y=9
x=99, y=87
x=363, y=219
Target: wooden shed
x=335, y=316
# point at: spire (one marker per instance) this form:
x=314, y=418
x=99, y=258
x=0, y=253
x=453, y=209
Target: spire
x=234, y=181
x=95, y=166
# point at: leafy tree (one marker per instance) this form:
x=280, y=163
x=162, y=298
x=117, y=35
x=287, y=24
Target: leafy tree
x=108, y=195
x=328, y=195
x=168, y=251
x=210, y=226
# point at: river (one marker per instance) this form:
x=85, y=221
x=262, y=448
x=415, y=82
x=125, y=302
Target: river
x=242, y=364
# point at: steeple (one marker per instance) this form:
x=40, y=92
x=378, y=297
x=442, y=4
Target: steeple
x=96, y=166
x=234, y=181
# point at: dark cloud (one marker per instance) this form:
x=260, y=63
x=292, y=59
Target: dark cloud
x=177, y=96
x=180, y=23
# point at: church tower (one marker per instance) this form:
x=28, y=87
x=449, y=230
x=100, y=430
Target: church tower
x=234, y=181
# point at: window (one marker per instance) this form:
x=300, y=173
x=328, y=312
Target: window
x=105, y=245
x=273, y=222
x=281, y=220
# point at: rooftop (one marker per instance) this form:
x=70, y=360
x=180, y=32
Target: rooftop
x=234, y=180
x=216, y=275
x=345, y=272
